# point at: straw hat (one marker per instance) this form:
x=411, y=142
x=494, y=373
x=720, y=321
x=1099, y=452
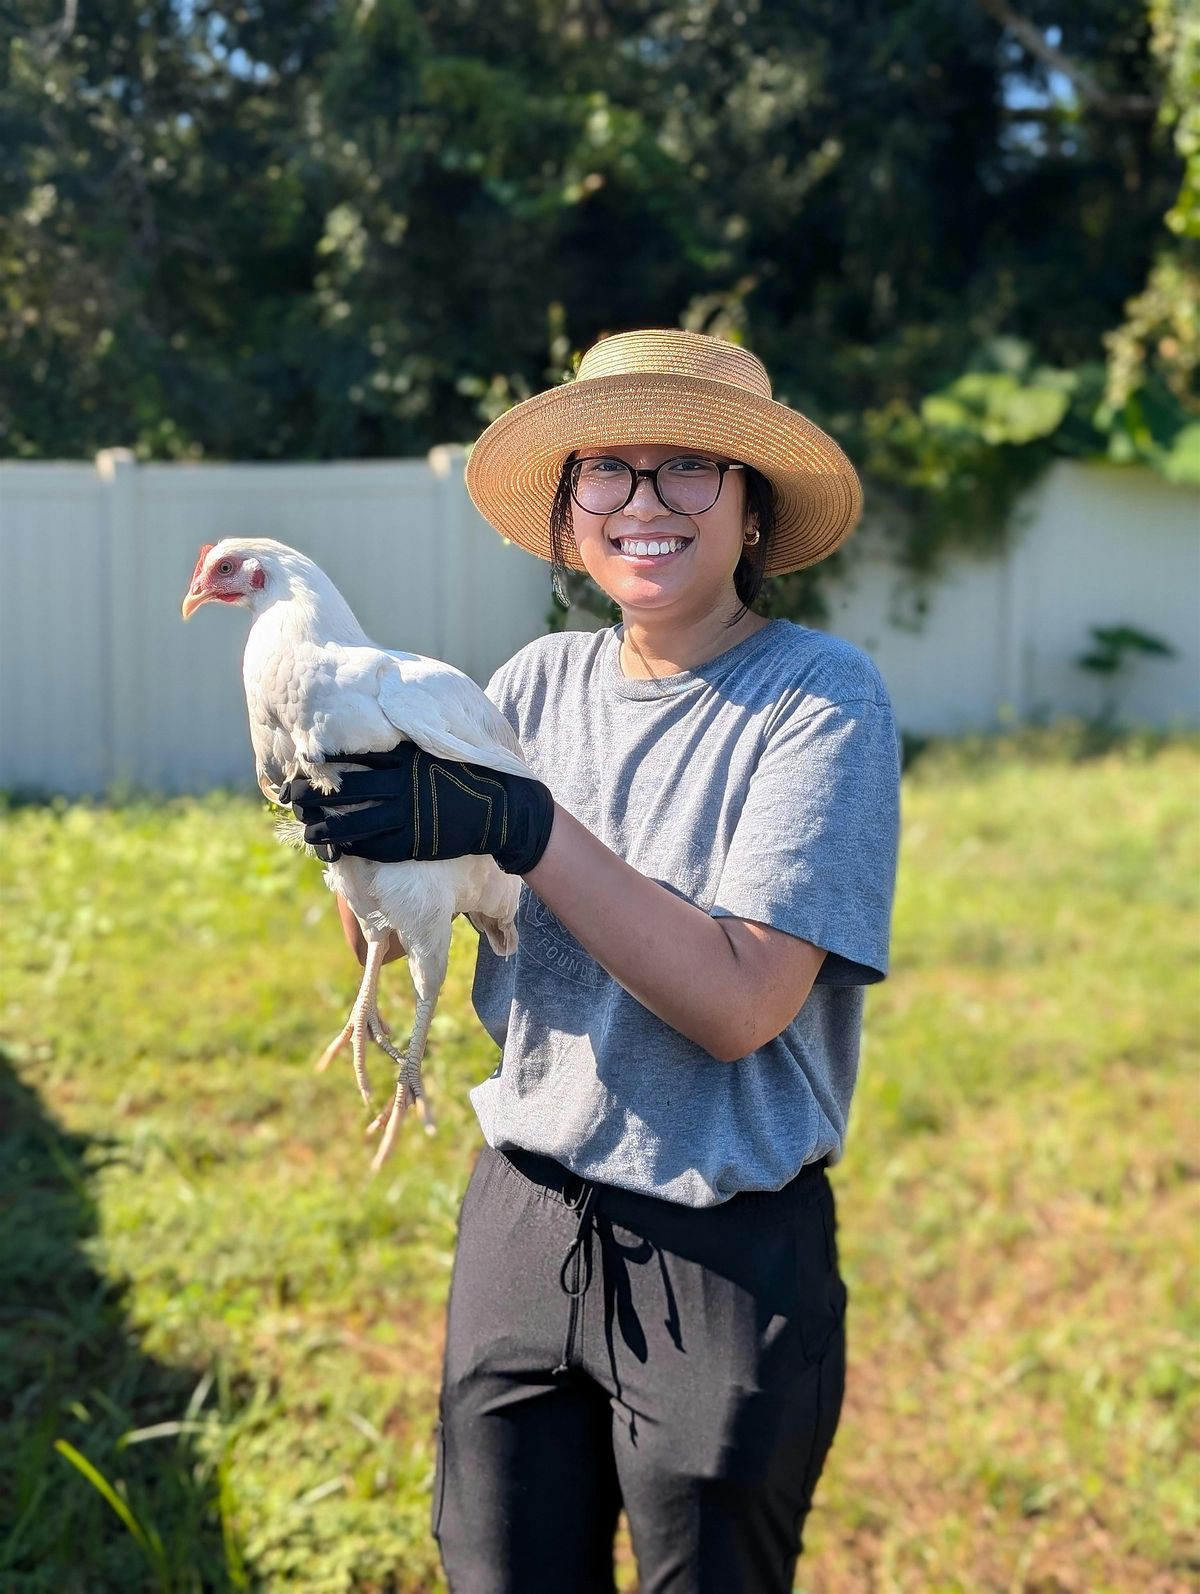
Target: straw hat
x=667, y=387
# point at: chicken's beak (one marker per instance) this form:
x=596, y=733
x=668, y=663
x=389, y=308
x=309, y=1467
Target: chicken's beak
x=196, y=595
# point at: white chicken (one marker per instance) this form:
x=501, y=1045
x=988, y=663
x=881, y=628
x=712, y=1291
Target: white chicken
x=316, y=684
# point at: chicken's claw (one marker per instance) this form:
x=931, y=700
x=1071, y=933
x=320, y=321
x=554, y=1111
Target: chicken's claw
x=380, y=1032
x=269, y=789
x=335, y=1046
x=408, y=1093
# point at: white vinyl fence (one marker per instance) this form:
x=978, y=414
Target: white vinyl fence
x=103, y=685
x=1093, y=545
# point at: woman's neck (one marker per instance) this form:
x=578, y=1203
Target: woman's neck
x=649, y=650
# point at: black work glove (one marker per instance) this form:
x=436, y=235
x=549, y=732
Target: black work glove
x=422, y=807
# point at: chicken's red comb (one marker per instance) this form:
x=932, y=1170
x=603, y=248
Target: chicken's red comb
x=204, y=553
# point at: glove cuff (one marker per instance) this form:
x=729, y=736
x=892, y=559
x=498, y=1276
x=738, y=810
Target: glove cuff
x=530, y=820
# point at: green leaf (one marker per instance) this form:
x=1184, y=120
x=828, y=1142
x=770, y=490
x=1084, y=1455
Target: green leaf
x=1129, y=636
x=1182, y=463
x=148, y=1541
x=997, y=408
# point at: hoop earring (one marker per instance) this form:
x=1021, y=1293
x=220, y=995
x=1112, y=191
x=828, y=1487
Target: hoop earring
x=752, y=539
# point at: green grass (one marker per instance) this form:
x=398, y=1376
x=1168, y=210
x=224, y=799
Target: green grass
x=205, y=1300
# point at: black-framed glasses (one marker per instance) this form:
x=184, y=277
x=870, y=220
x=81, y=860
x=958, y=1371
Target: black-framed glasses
x=687, y=484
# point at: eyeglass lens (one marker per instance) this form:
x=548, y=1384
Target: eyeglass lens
x=687, y=485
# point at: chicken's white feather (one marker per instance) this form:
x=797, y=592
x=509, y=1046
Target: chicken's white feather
x=316, y=685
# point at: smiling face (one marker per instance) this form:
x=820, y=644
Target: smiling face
x=657, y=561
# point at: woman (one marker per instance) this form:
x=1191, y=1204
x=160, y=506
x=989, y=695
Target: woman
x=646, y=1307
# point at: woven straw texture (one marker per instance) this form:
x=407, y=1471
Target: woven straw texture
x=667, y=387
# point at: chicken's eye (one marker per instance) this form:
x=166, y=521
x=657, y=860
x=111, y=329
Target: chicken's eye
x=225, y=568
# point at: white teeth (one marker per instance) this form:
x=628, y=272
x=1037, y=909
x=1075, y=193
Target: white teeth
x=639, y=549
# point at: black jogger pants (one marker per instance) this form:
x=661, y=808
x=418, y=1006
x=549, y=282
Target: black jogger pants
x=606, y=1349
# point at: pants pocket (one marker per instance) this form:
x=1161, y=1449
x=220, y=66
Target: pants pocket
x=821, y=1289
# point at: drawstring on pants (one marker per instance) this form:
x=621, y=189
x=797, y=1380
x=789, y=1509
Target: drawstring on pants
x=579, y=1251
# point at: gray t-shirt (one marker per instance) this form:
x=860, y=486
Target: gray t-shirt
x=763, y=785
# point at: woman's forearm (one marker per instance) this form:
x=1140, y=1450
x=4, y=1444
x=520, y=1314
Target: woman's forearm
x=727, y=984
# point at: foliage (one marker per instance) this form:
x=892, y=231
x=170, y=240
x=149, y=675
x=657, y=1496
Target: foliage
x=322, y=230
x=1154, y=356
x=208, y=1299
x=68, y=1367
x=1113, y=645
x=1112, y=651
x=1175, y=28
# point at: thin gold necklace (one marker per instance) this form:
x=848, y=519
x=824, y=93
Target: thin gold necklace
x=650, y=675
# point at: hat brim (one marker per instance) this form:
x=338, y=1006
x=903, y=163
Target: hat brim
x=514, y=469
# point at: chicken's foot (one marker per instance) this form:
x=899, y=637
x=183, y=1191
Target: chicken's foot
x=364, y=1020
x=379, y=1031
x=268, y=788
x=409, y=1091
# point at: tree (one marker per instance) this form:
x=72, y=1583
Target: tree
x=319, y=228
x=1154, y=357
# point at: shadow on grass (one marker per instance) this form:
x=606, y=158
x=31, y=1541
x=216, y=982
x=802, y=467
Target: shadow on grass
x=71, y=1371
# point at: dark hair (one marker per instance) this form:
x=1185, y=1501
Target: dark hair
x=562, y=535
x=751, y=567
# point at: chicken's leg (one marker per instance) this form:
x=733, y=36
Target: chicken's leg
x=427, y=965
x=408, y=1087
x=378, y=1029
x=364, y=1020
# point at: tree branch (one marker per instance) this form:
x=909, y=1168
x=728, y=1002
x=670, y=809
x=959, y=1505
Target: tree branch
x=53, y=37
x=1137, y=107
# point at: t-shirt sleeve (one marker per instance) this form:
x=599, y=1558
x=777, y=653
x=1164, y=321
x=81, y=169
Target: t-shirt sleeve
x=501, y=690
x=815, y=847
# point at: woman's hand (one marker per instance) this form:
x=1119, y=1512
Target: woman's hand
x=357, y=941
x=728, y=984
x=408, y=805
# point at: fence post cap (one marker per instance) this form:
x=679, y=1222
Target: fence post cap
x=110, y=460
x=448, y=459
